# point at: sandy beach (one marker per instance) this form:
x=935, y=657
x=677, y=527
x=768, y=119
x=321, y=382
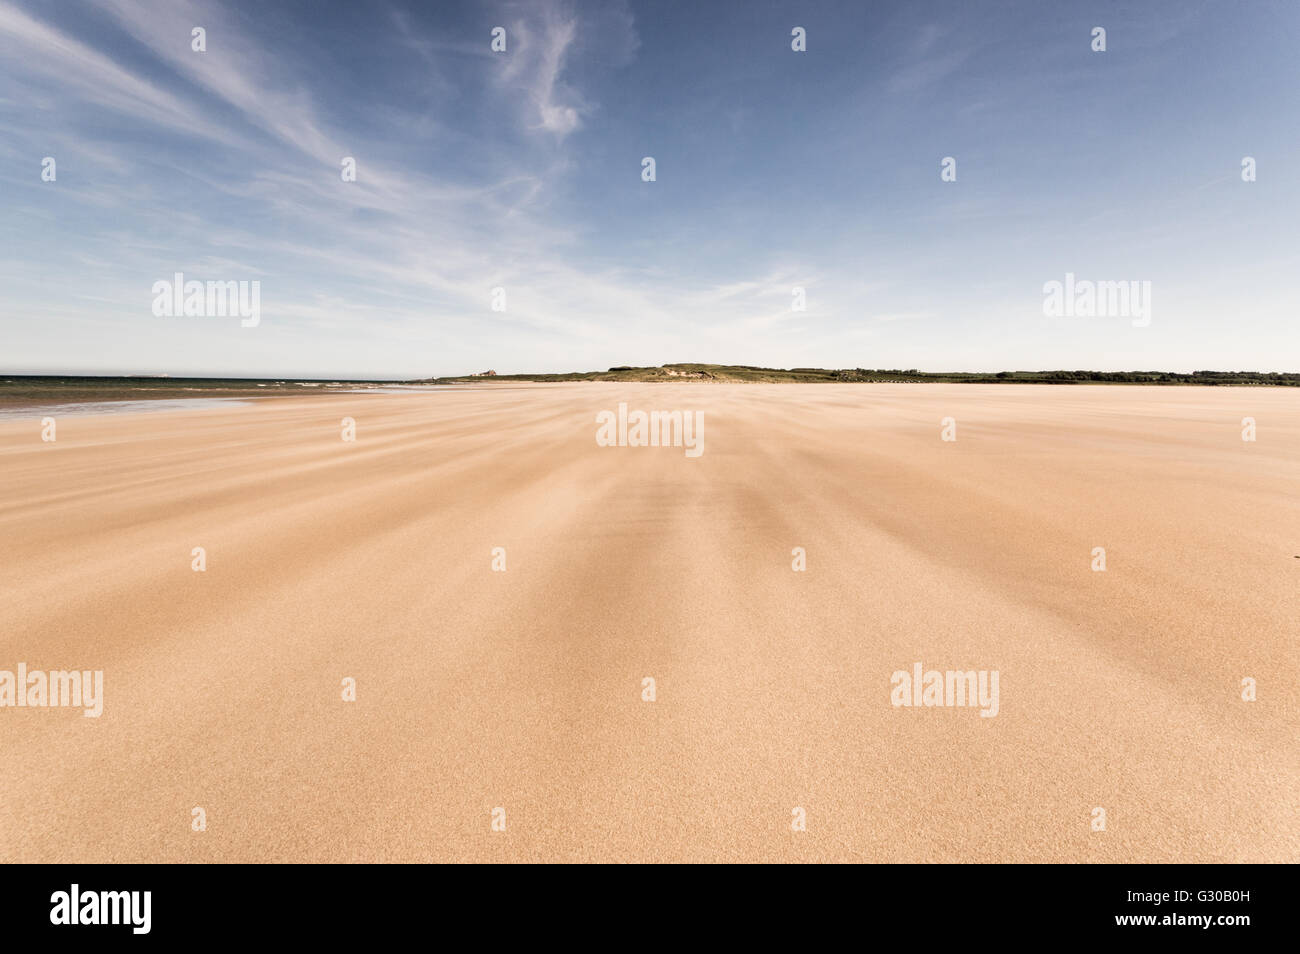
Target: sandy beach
x=522, y=689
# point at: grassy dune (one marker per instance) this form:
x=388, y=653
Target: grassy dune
x=739, y=373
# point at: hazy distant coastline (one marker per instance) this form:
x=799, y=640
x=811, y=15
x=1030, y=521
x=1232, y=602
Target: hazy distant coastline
x=38, y=390
x=35, y=390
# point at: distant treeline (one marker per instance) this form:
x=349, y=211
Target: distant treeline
x=55, y=388
x=1080, y=377
x=750, y=373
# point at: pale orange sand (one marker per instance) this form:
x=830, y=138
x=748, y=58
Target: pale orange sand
x=522, y=689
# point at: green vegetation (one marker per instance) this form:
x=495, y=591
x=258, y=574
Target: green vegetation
x=747, y=373
x=48, y=389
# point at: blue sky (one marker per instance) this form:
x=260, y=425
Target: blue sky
x=522, y=170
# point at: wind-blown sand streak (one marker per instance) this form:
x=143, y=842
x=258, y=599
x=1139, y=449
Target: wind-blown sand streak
x=522, y=689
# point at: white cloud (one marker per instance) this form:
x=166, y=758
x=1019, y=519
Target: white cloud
x=544, y=34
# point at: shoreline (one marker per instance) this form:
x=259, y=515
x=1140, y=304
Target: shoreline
x=14, y=408
x=35, y=389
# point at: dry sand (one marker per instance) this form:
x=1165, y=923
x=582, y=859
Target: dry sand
x=522, y=689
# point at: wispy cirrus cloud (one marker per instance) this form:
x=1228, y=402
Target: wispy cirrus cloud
x=543, y=36
x=405, y=246
x=522, y=170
